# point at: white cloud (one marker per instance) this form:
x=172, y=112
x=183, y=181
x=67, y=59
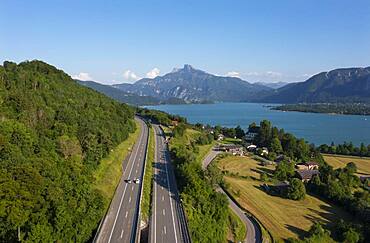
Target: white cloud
x=153, y=73
x=130, y=75
x=83, y=77
x=233, y=74
x=273, y=74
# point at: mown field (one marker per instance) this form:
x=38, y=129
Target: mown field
x=340, y=161
x=283, y=218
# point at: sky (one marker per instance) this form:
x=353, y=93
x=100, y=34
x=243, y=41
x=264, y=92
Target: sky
x=123, y=41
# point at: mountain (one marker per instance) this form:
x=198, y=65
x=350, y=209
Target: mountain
x=337, y=86
x=193, y=85
x=120, y=95
x=273, y=85
x=53, y=136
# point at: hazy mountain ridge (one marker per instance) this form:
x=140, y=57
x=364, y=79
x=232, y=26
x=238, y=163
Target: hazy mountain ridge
x=342, y=85
x=193, y=85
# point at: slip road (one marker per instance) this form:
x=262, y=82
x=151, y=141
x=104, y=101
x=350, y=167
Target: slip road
x=121, y=221
x=167, y=222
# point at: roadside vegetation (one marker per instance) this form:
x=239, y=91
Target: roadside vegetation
x=148, y=179
x=109, y=171
x=54, y=134
x=236, y=227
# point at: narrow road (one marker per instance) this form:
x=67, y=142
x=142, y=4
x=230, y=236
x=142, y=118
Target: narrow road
x=167, y=222
x=253, y=230
x=121, y=221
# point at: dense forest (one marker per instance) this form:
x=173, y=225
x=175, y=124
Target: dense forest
x=330, y=108
x=53, y=133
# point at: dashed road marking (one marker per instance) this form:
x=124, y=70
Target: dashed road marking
x=164, y=212
x=165, y=230
x=126, y=214
x=121, y=233
x=129, y=200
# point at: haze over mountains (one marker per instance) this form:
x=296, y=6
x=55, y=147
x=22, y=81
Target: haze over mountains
x=193, y=85
x=190, y=85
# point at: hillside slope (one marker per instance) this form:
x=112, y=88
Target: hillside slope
x=193, y=85
x=120, y=95
x=53, y=133
x=339, y=85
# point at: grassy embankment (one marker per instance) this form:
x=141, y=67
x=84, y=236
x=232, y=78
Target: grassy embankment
x=148, y=178
x=340, y=161
x=237, y=229
x=109, y=172
x=283, y=218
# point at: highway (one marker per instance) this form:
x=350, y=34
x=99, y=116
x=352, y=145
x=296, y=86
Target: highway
x=121, y=221
x=167, y=222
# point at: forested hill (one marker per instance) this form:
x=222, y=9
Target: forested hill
x=345, y=85
x=53, y=133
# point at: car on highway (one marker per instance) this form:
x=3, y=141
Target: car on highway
x=137, y=181
x=128, y=181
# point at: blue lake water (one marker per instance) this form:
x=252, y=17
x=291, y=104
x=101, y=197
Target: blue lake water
x=315, y=128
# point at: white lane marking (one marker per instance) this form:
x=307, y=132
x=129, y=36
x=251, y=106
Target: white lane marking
x=126, y=214
x=169, y=193
x=164, y=212
x=121, y=233
x=162, y=198
x=129, y=200
x=165, y=230
x=136, y=171
x=124, y=191
x=132, y=188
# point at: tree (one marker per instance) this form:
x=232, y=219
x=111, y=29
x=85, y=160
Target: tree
x=179, y=130
x=351, y=236
x=275, y=145
x=296, y=190
x=284, y=170
x=263, y=177
x=239, y=132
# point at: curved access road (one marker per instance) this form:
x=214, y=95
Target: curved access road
x=167, y=222
x=121, y=223
x=253, y=229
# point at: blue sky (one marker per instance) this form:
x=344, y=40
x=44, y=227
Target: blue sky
x=120, y=41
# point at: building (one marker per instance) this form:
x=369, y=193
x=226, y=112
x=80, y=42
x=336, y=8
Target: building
x=307, y=166
x=366, y=181
x=264, y=151
x=306, y=175
x=251, y=134
x=220, y=137
x=251, y=147
x=232, y=148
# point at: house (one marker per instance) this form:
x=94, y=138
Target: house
x=251, y=147
x=220, y=137
x=312, y=165
x=307, y=166
x=232, y=148
x=251, y=134
x=264, y=151
x=306, y=175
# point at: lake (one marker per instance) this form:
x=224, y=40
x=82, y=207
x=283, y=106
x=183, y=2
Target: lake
x=315, y=128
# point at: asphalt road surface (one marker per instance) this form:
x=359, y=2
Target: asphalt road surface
x=121, y=221
x=253, y=230
x=167, y=222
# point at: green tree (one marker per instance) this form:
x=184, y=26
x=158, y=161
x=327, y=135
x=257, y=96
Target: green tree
x=297, y=190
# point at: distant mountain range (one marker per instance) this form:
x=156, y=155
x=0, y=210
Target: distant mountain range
x=190, y=85
x=273, y=85
x=193, y=85
x=343, y=85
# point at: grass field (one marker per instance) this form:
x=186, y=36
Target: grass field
x=339, y=161
x=109, y=171
x=283, y=218
x=190, y=135
x=148, y=178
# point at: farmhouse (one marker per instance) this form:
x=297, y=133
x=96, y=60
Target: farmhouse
x=307, y=166
x=306, y=175
x=232, y=148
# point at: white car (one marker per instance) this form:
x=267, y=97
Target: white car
x=128, y=181
x=137, y=181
